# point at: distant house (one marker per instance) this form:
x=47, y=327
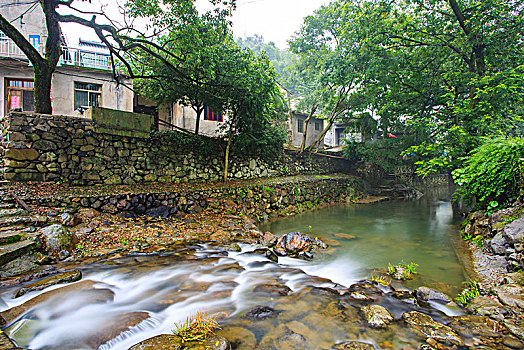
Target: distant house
x=178, y=116
x=297, y=125
x=82, y=79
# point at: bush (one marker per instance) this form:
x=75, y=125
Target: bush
x=384, y=153
x=492, y=175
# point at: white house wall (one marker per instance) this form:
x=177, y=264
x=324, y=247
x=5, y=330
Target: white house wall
x=62, y=87
x=63, y=96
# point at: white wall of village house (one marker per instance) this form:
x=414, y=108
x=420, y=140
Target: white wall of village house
x=62, y=87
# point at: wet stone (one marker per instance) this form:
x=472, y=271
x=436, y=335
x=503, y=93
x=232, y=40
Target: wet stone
x=426, y=326
x=261, y=313
x=65, y=277
x=239, y=337
x=425, y=294
x=485, y=306
x=377, y=316
x=272, y=289
x=353, y=345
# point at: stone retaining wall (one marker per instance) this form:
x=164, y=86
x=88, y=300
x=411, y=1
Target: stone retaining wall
x=500, y=234
x=260, y=201
x=81, y=152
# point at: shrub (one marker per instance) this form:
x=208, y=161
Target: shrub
x=492, y=175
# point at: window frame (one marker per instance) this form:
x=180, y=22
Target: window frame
x=8, y=89
x=317, y=125
x=89, y=93
x=300, y=126
x=210, y=115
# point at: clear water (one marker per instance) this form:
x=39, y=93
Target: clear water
x=170, y=287
x=424, y=232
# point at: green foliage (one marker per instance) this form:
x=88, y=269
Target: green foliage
x=408, y=270
x=470, y=291
x=492, y=175
x=196, y=328
x=450, y=69
x=385, y=153
x=175, y=142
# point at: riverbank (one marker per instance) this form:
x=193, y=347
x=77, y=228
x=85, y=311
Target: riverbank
x=218, y=237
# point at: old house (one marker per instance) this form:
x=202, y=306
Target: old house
x=82, y=79
x=297, y=127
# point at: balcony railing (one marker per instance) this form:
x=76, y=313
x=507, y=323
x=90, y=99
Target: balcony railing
x=84, y=58
x=70, y=56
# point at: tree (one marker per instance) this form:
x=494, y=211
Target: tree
x=452, y=68
x=333, y=64
x=121, y=40
x=254, y=106
x=197, y=49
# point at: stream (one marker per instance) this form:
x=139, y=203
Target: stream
x=123, y=301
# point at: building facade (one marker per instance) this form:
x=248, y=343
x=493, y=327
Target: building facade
x=82, y=79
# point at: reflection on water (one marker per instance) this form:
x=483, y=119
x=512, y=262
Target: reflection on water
x=387, y=232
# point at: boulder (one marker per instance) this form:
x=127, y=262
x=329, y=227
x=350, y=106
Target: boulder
x=353, y=345
x=56, y=238
x=498, y=244
x=510, y=294
x=173, y=342
x=64, y=277
x=239, y=337
x=296, y=244
x=485, y=306
x=377, y=316
x=70, y=220
x=427, y=327
x=261, y=312
x=425, y=294
x=514, y=232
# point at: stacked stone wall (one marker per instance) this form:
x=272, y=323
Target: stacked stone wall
x=260, y=201
x=80, y=152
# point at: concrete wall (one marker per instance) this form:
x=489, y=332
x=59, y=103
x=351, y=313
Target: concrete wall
x=312, y=134
x=185, y=117
x=62, y=87
x=82, y=152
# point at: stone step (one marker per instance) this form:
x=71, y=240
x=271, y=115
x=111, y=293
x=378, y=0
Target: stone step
x=5, y=213
x=14, y=250
x=7, y=205
x=23, y=221
x=10, y=237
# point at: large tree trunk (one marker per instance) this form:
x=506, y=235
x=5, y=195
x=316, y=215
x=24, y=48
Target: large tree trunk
x=42, y=98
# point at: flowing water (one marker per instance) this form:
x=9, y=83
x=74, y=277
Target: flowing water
x=137, y=297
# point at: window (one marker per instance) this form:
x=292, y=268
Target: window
x=20, y=94
x=317, y=126
x=87, y=94
x=213, y=116
x=300, y=125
